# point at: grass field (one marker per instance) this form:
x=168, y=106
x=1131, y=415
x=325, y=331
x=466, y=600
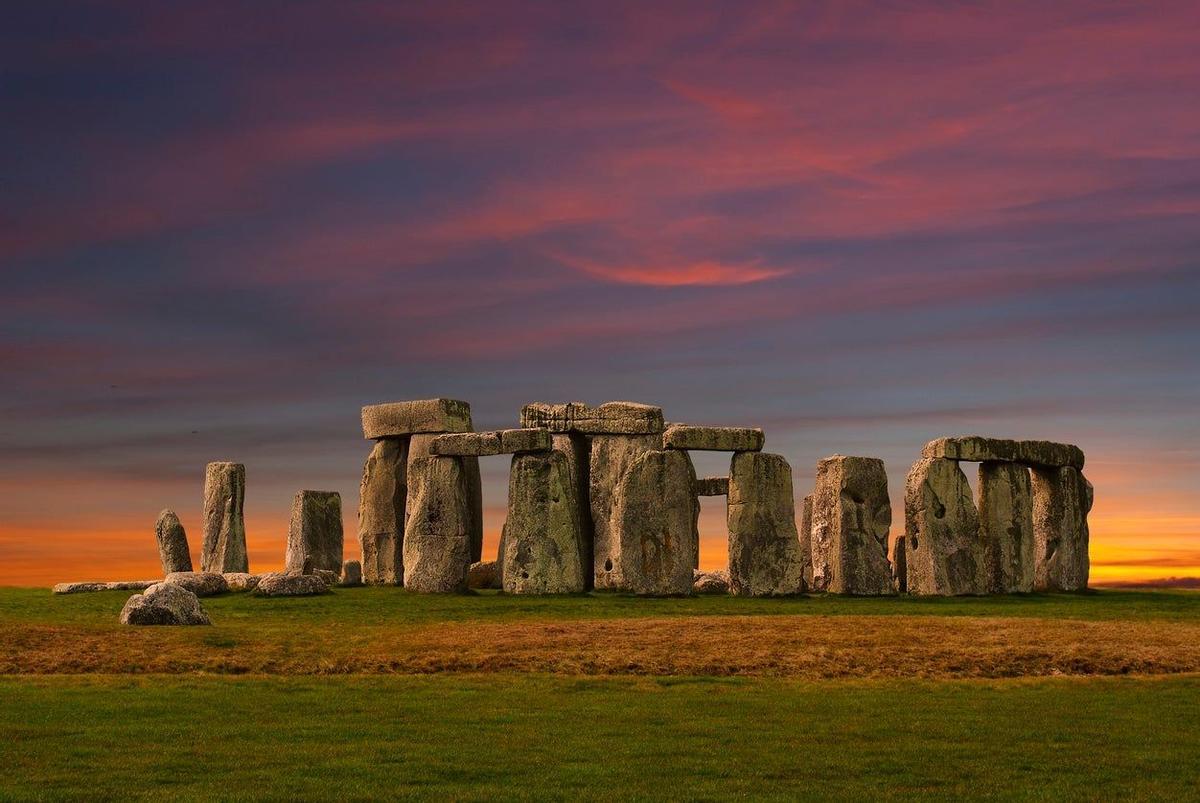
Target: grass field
x=375, y=692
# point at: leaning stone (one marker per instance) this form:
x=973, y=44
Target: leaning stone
x=610, y=458
x=713, y=439
x=764, y=547
x=224, y=546
x=1006, y=526
x=381, y=500
x=576, y=449
x=944, y=554
x=315, y=534
x=241, y=581
x=1060, y=529
x=420, y=446
x=484, y=574
x=710, y=582
x=290, y=584
x=466, y=444
x=851, y=517
x=978, y=449
x=351, y=573
x=437, y=533
x=202, y=584
x=610, y=418
x=899, y=566
x=411, y=417
x=541, y=547
x=712, y=486
x=172, y=543
x=164, y=604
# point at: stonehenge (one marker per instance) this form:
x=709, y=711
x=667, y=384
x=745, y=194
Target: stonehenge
x=172, y=543
x=849, y=522
x=224, y=548
x=315, y=533
x=944, y=552
x=541, y=546
x=765, y=557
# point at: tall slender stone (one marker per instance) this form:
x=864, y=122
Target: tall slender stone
x=652, y=531
x=172, y=543
x=610, y=459
x=1006, y=525
x=765, y=555
x=224, y=546
x=315, y=534
x=851, y=517
x=421, y=445
x=541, y=545
x=944, y=552
x=899, y=566
x=437, y=530
x=1060, y=500
x=806, y=551
x=381, y=502
x=576, y=449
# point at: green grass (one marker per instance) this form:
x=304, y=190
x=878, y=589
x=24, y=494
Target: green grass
x=531, y=736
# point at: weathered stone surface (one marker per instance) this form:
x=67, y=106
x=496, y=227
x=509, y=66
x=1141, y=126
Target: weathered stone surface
x=224, y=546
x=241, y=581
x=381, y=499
x=710, y=582
x=291, y=584
x=806, y=553
x=482, y=444
x=851, y=516
x=437, y=533
x=120, y=585
x=610, y=459
x=315, y=534
x=899, y=566
x=351, y=574
x=713, y=439
x=978, y=449
x=944, y=553
x=517, y=441
x=420, y=446
x=1006, y=526
x=652, y=538
x=484, y=574
x=577, y=450
x=396, y=419
x=610, y=418
x=712, y=486
x=130, y=585
x=541, y=547
x=202, y=584
x=172, y=543
x=164, y=604
x=765, y=559
x=1061, y=498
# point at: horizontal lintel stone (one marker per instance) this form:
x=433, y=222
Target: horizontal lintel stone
x=712, y=486
x=397, y=419
x=483, y=444
x=713, y=439
x=978, y=449
x=610, y=418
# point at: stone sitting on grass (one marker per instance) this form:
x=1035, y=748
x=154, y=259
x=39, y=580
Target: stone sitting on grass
x=291, y=584
x=202, y=584
x=164, y=604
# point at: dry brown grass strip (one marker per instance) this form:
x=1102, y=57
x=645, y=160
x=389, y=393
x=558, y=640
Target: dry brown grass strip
x=794, y=646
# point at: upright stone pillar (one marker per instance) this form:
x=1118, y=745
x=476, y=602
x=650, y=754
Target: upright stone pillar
x=224, y=546
x=611, y=458
x=899, y=566
x=850, y=521
x=1006, y=525
x=944, y=552
x=315, y=534
x=810, y=573
x=542, y=549
x=419, y=446
x=653, y=521
x=576, y=450
x=437, y=531
x=172, y=543
x=382, y=497
x=765, y=554
x=1060, y=499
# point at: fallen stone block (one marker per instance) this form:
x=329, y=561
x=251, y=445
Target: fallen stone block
x=202, y=584
x=172, y=543
x=290, y=584
x=710, y=582
x=87, y=587
x=224, y=546
x=437, y=533
x=396, y=419
x=241, y=581
x=1061, y=498
x=610, y=418
x=1006, y=526
x=484, y=574
x=541, y=547
x=315, y=533
x=713, y=439
x=851, y=517
x=351, y=574
x=712, y=486
x=944, y=553
x=765, y=559
x=978, y=449
x=381, y=499
x=610, y=457
x=164, y=604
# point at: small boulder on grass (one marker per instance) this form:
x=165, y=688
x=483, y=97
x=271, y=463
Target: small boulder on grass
x=202, y=584
x=241, y=581
x=286, y=584
x=351, y=573
x=164, y=604
x=710, y=582
x=483, y=574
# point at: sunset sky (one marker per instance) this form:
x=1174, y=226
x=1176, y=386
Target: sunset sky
x=859, y=226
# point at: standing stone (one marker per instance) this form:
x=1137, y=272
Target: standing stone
x=851, y=517
x=172, y=544
x=944, y=552
x=422, y=446
x=351, y=573
x=576, y=449
x=811, y=580
x=315, y=535
x=765, y=556
x=437, y=530
x=224, y=548
x=1006, y=525
x=541, y=546
x=652, y=538
x=899, y=566
x=382, y=496
x=1060, y=499
x=610, y=459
